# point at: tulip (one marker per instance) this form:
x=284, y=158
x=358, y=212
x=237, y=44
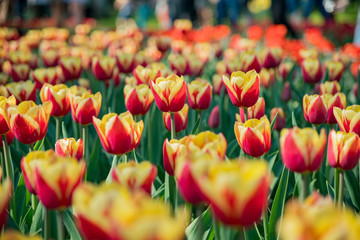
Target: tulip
x=199, y=94
x=285, y=68
x=330, y=87
x=302, y=150
x=20, y=72
x=315, y=110
x=178, y=64
x=103, y=67
x=311, y=70
x=232, y=205
x=135, y=176
x=280, y=122
x=125, y=62
x=195, y=65
x=138, y=99
x=4, y=126
x=22, y=91
x=254, y=136
x=116, y=77
x=337, y=100
x=257, y=110
x=243, y=88
x=343, y=150
x=214, y=118
x=310, y=53
x=4, y=78
x=57, y=95
x=348, y=119
x=317, y=218
x=267, y=77
x=221, y=68
x=146, y=75
x=335, y=70
x=286, y=92
x=28, y=121
x=69, y=147
x=249, y=61
x=171, y=151
x=71, y=67
x=119, y=134
x=56, y=179
x=109, y=211
x=44, y=75
x=180, y=117
x=270, y=57
x=84, y=105
x=169, y=93
x=50, y=57
x=5, y=195
x=217, y=83
x=9, y=138
x=163, y=43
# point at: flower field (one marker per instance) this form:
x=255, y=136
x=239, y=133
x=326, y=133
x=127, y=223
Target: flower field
x=187, y=133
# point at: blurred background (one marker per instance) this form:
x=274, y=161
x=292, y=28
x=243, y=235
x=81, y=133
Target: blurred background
x=159, y=14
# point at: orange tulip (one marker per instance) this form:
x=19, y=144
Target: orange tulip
x=57, y=95
x=138, y=99
x=69, y=147
x=71, y=67
x=181, y=119
x=103, y=67
x=119, y=134
x=199, y=94
x=20, y=72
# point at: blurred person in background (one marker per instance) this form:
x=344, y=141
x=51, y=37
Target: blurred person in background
x=76, y=8
x=228, y=8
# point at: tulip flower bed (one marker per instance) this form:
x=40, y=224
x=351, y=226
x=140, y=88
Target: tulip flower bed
x=179, y=134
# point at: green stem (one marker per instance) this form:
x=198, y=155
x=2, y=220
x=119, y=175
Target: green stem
x=9, y=171
x=3, y=163
x=341, y=189
x=114, y=163
x=172, y=125
x=134, y=153
x=47, y=221
x=266, y=225
x=200, y=222
x=60, y=226
x=245, y=234
x=34, y=203
x=305, y=186
x=336, y=179
x=149, y=136
x=84, y=133
x=58, y=124
x=216, y=228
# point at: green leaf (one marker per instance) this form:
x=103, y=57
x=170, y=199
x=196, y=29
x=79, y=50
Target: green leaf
x=273, y=121
x=196, y=127
x=279, y=201
x=11, y=223
x=293, y=119
x=20, y=198
x=203, y=225
x=352, y=186
x=39, y=144
x=38, y=220
x=272, y=158
x=64, y=131
x=70, y=225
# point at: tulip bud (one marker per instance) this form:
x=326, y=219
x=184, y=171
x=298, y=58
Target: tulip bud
x=348, y=119
x=337, y=100
x=50, y=57
x=335, y=70
x=57, y=95
x=163, y=43
x=44, y=75
x=125, y=61
x=109, y=211
x=315, y=110
x=181, y=119
x=217, y=83
x=280, y=122
x=343, y=150
x=330, y=87
x=249, y=61
x=178, y=64
x=138, y=99
x=257, y=110
x=195, y=66
x=254, y=136
x=119, y=134
x=199, y=94
x=214, y=118
x=356, y=90
x=171, y=151
x=145, y=75
x=302, y=150
x=84, y=105
x=103, y=67
x=5, y=195
x=270, y=57
x=71, y=67
x=311, y=70
x=69, y=147
x=285, y=68
x=286, y=92
x=28, y=121
x=20, y=72
x=135, y=176
x=243, y=88
x=169, y=93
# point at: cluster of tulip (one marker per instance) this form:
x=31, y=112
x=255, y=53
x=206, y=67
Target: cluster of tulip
x=85, y=176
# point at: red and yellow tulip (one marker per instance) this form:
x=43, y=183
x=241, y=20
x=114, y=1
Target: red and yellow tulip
x=337, y=100
x=280, y=122
x=217, y=83
x=270, y=57
x=315, y=110
x=71, y=67
x=330, y=87
x=180, y=117
x=171, y=151
x=58, y=96
x=20, y=72
x=22, y=91
x=44, y=75
x=4, y=126
x=267, y=77
x=69, y=147
x=348, y=119
x=146, y=75
x=126, y=62
x=199, y=94
x=311, y=70
x=138, y=99
x=285, y=68
x=103, y=67
x=335, y=70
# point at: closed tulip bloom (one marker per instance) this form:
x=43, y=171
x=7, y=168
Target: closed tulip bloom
x=286, y=92
x=71, y=67
x=221, y=68
x=9, y=138
x=199, y=94
x=318, y=218
x=243, y=88
x=337, y=100
x=119, y=134
x=254, y=136
x=343, y=150
x=335, y=70
x=163, y=43
x=171, y=151
x=348, y=119
x=237, y=190
x=50, y=57
x=195, y=65
x=310, y=53
x=267, y=77
x=135, y=176
x=311, y=70
x=270, y=57
x=178, y=64
x=22, y=91
x=5, y=194
x=218, y=84
x=58, y=96
x=315, y=109
x=84, y=105
x=146, y=75
x=126, y=62
x=280, y=122
x=44, y=75
x=56, y=179
x=4, y=78
x=28, y=121
x=103, y=67
x=4, y=126
x=169, y=93
x=249, y=61
x=285, y=68
x=138, y=99
x=302, y=150
x=181, y=119
x=330, y=87
x=214, y=118
x=109, y=211
x=69, y=147
x=208, y=141
x=257, y=110
x=20, y=72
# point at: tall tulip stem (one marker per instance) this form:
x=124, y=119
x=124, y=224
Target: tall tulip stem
x=266, y=225
x=216, y=228
x=149, y=136
x=305, y=186
x=341, y=189
x=58, y=124
x=84, y=135
x=47, y=221
x=60, y=226
x=113, y=165
x=9, y=171
x=172, y=125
